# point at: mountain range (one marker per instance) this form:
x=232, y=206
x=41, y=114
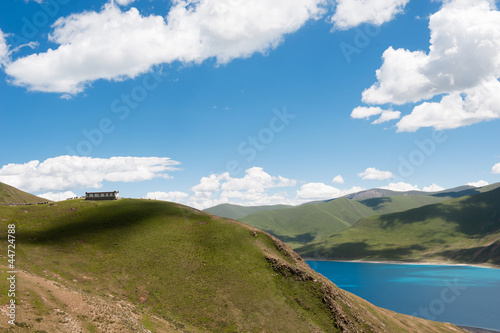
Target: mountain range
x=313, y=222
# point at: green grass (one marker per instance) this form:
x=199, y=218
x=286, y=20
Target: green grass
x=11, y=195
x=237, y=212
x=312, y=222
x=198, y=272
x=188, y=268
x=460, y=230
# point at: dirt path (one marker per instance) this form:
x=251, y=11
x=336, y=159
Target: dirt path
x=45, y=305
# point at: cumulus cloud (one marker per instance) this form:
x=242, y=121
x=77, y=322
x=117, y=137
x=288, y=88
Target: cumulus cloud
x=251, y=189
x=320, y=191
x=70, y=172
x=433, y=188
x=479, y=183
x=124, y=2
x=175, y=196
x=115, y=45
x=256, y=179
x=255, y=188
x=363, y=112
x=400, y=187
x=463, y=65
x=58, y=196
x=338, y=180
x=375, y=174
x=4, y=50
x=496, y=168
x=351, y=13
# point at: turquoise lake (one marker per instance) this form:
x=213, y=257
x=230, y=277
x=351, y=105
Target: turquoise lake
x=462, y=295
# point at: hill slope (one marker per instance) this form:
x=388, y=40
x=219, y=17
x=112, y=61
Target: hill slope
x=460, y=230
x=11, y=195
x=236, y=212
x=303, y=224
x=138, y=265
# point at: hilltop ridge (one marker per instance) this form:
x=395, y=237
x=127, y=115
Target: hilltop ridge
x=12, y=195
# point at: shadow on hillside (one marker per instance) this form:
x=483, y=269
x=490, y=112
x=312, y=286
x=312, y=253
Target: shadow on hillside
x=476, y=215
x=458, y=194
x=359, y=250
x=480, y=254
x=93, y=223
x=376, y=203
x=302, y=238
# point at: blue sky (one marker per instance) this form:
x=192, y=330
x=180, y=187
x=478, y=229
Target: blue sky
x=248, y=102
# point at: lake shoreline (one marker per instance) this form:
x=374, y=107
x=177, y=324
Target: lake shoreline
x=436, y=263
x=472, y=329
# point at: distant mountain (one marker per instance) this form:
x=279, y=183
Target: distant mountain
x=310, y=222
x=153, y=266
x=380, y=193
x=11, y=195
x=236, y=212
x=303, y=224
x=386, y=205
x=466, y=229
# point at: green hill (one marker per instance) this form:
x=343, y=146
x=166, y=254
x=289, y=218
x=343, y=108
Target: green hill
x=236, y=212
x=11, y=195
x=150, y=266
x=303, y=224
x=388, y=205
x=463, y=230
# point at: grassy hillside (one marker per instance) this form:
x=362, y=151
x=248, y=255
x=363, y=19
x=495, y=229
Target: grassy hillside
x=388, y=205
x=301, y=225
x=11, y=195
x=460, y=230
x=139, y=265
x=236, y=212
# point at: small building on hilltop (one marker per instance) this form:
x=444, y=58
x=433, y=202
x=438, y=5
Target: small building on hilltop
x=101, y=195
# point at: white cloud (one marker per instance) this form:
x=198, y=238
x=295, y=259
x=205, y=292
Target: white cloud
x=4, y=50
x=71, y=172
x=480, y=183
x=338, y=180
x=175, y=196
x=374, y=174
x=208, y=184
x=496, y=168
x=463, y=63
x=58, y=196
x=256, y=179
x=320, y=191
x=255, y=188
x=400, y=187
x=386, y=116
x=116, y=45
x=251, y=189
x=363, y=112
x=481, y=103
x=433, y=188
x=351, y=13
x=124, y=2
